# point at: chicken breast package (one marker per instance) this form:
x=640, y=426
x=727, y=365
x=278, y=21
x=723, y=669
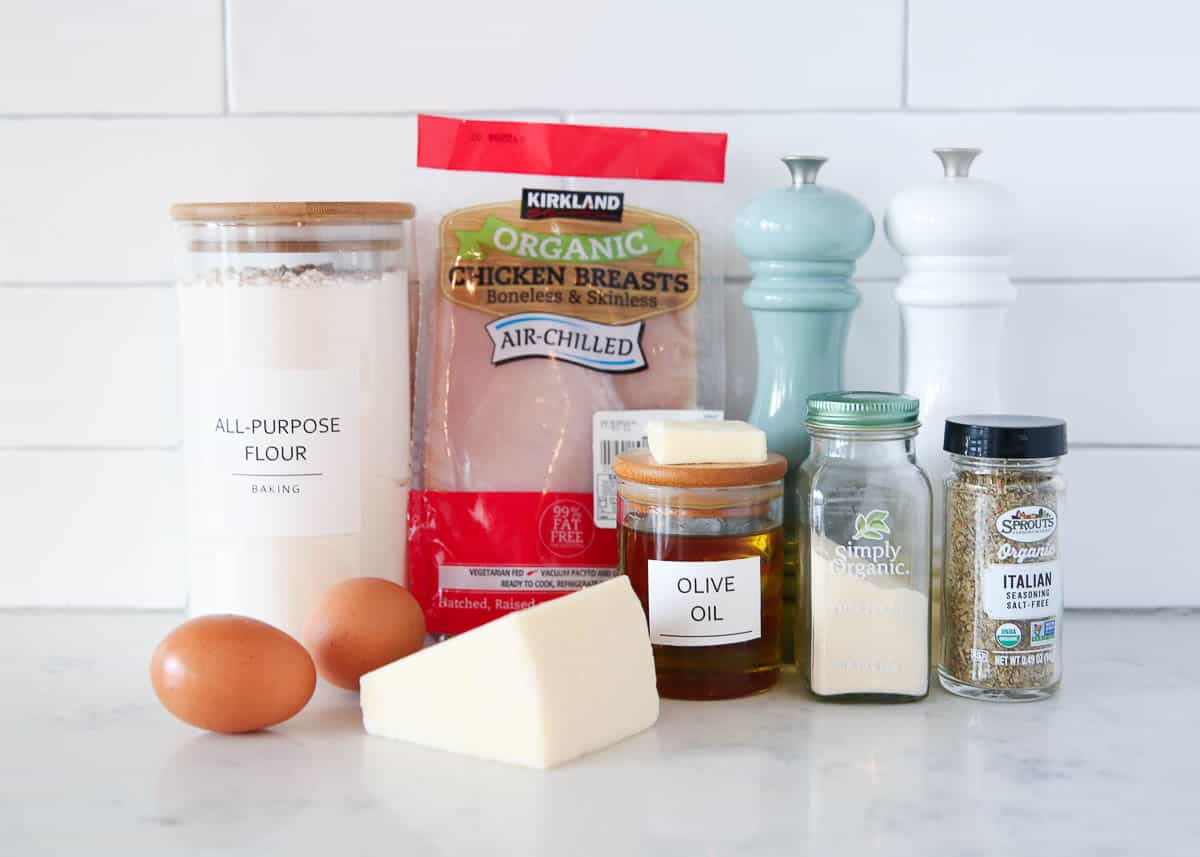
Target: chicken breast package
x=562, y=319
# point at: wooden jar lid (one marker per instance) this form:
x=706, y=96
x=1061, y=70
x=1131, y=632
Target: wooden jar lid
x=637, y=465
x=291, y=213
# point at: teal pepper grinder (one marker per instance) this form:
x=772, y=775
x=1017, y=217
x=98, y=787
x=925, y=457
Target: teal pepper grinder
x=802, y=242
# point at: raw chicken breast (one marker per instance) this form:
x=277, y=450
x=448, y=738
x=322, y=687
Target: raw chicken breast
x=672, y=355
x=540, y=435
x=459, y=368
x=521, y=426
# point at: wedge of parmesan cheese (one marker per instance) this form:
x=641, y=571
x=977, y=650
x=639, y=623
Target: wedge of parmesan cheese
x=706, y=442
x=539, y=687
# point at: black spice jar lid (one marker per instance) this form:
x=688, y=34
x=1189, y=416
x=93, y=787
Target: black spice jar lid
x=1005, y=436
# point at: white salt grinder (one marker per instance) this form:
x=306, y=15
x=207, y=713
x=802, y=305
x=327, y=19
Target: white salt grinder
x=956, y=235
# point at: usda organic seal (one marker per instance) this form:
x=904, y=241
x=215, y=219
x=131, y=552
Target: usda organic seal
x=1008, y=635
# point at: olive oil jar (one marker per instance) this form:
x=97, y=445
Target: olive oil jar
x=702, y=545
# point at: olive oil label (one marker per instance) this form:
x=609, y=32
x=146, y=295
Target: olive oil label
x=274, y=452
x=715, y=603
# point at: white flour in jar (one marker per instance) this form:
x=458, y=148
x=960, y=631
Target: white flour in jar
x=294, y=390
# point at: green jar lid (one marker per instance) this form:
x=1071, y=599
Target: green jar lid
x=862, y=409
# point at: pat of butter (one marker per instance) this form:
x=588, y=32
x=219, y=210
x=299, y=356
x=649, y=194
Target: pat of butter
x=706, y=442
x=538, y=687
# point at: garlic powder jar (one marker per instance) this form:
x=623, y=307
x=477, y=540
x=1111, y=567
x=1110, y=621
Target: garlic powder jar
x=865, y=510
x=294, y=392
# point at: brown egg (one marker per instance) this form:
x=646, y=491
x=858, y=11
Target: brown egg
x=360, y=625
x=231, y=674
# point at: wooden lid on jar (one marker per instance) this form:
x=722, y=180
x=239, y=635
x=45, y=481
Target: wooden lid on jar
x=637, y=465
x=293, y=213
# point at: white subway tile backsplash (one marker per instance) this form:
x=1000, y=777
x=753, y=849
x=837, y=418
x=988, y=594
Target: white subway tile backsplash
x=87, y=366
x=91, y=528
x=87, y=201
x=1068, y=53
x=371, y=55
x=138, y=56
x=103, y=187
x=1107, y=356
x=1121, y=542
x=1088, y=209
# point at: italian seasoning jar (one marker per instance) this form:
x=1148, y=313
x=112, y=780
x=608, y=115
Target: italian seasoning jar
x=865, y=509
x=1002, y=594
x=702, y=545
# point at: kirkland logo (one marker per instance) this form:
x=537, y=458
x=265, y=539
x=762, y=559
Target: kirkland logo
x=539, y=204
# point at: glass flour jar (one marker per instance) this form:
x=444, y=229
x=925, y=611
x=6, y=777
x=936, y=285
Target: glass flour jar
x=702, y=545
x=866, y=508
x=1002, y=572
x=294, y=392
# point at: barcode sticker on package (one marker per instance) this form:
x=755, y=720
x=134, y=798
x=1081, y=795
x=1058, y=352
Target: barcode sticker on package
x=613, y=432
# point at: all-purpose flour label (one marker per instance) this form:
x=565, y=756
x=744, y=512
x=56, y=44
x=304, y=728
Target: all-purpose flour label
x=705, y=603
x=274, y=452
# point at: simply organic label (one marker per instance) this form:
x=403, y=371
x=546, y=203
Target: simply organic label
x=705, y=603
x=273, y=452
x=870, y=552
x=587, y=256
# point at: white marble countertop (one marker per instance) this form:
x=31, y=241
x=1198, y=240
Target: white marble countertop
x=90, y=764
